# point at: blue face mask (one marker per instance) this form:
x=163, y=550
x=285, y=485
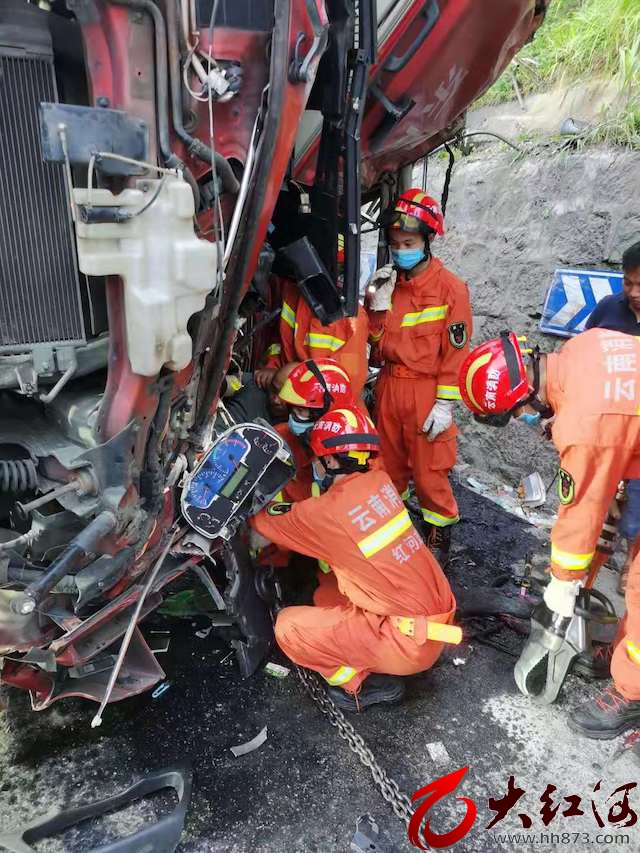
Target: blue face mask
x=530, y=420
x=407, y=259
x=298, y=427
x=323, y=481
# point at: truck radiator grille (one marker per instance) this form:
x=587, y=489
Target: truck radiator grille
x=39, y=285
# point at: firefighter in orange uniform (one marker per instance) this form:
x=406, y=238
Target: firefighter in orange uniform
x=310, y=389
x=591, y=385
x=392, y=606
x=420, y=322
x=302, y=336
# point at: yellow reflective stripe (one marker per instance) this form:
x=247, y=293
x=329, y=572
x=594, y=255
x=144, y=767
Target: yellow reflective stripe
x=274, y=349
x=448, y=392
x=439, y=520
x=569, y=561
x=288, y=315
x=633, y=650
x=279, y=498
x=315, y=339
x=427, y=315
x=374, y=337
x=406, y=494
x=342, y=675
x=386, y=534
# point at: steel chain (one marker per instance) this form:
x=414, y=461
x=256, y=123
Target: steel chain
x=398, y=800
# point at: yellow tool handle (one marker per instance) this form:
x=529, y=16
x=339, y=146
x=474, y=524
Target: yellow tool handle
x=444, y=633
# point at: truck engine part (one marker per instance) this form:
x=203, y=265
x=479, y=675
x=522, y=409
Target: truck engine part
x=46, y=276
x=91, y=129
x=79, y=547
x=167, y=270
x=161, y=837
x=131, y=627
x=18, y=475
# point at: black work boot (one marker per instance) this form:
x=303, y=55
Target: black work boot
x=595, y=665
x=438, y=540
x=375, y=690
x=605, y=716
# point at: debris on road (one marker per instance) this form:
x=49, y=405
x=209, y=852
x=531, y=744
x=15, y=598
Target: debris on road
x=277, y=670
x=367, y=837
x=161, y=689
x=532, y=490
x=438, y=753
x=162, y=836
x=250, y=746
x=506, y=498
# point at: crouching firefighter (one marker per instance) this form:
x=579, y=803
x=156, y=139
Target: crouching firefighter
x=392, y=606
x=420, y=325
x=591, y=385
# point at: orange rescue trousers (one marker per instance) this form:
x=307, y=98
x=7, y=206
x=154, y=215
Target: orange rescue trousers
x=403, y=401
x=345, y=644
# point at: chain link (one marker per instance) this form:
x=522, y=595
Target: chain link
x=397, y=799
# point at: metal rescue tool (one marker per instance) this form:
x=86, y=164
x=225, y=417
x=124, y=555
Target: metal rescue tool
x=555, y=643
x=244, y=468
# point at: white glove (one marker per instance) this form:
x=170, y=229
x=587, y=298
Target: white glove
x=560, y=596
x=439, y=419
x=380, y=287
x=257, y=541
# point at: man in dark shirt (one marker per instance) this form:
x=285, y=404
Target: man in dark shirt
x=621, y=313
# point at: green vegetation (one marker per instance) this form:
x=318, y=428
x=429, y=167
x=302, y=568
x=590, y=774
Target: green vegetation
x=581, y=40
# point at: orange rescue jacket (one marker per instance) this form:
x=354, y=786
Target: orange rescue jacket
x=428, y=327
x=361, y=528
x=593, y=386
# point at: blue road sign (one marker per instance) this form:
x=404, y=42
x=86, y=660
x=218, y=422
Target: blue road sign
x=572, y=296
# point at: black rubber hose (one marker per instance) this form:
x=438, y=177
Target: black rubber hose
x=195, y=147
x=171, y=160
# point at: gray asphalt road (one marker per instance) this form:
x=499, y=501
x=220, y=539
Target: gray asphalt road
x=303, y=790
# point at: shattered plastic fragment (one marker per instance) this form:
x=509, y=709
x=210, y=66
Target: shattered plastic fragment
x=277, y=670
x=162, y=688
x=459, y=661
x=244, y=748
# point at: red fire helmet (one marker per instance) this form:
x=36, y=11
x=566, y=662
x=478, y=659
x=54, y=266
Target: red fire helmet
x=345, y=430
x=493, y=378
x=415, y=211
x=319, y=384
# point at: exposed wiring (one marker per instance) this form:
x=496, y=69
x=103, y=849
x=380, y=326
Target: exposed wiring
x=216, y=194
x=148, y=204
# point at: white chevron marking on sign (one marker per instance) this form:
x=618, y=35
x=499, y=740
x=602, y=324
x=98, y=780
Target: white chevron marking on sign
x=575, y=301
